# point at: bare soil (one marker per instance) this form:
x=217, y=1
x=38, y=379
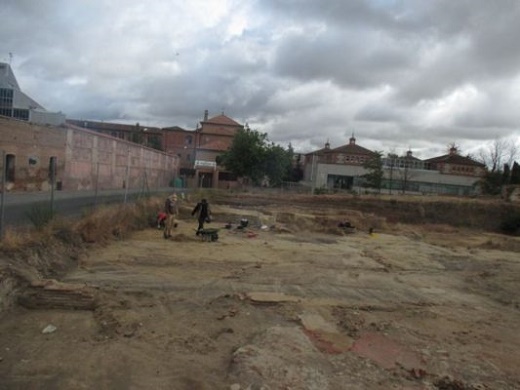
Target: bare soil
x=290, y=302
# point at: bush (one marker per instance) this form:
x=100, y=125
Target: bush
x=40, y=215
x=321, y=191
x=511, y=224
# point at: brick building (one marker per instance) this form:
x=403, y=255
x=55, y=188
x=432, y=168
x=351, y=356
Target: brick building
x=84, y=160
x=342, y=169
x=143, y=135
x=198, y=150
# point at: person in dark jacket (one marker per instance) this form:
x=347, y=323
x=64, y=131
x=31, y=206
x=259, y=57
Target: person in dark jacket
x=203, y=214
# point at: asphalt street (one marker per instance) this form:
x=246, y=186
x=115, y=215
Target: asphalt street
x=18, y=206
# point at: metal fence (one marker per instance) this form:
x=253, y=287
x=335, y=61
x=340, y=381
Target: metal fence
x=28, y=208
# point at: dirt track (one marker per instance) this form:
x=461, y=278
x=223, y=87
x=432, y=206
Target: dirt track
x=296, y=308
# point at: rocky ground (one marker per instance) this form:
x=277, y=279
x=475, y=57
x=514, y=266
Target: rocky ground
x=290, y=302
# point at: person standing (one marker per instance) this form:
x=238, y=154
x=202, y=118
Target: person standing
x=203, y=214
x=172, y=210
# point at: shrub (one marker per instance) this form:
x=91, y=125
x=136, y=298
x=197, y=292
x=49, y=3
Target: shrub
x=511, y=224
x=40, y=215
x=321, y=191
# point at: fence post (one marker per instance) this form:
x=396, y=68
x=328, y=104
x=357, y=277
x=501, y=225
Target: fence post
x=2, y=186
x=97, y=185
x=53, y=181
x=127, y=175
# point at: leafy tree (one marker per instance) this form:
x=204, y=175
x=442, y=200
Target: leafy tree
x=252, y=156
x=392, y=164
x=374, y=165
x=515, y=173
x=246, y=156
x=506, y=175
x=277, y=164
x=154, y=142
x=296, y=170
x=491, y=183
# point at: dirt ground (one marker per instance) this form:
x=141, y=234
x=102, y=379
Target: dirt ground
x=287, y=303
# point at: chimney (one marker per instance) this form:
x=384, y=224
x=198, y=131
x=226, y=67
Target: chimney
x=205, y=115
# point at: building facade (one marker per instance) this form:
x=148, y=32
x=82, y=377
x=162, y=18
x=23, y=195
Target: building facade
x=16, y=104
x=142, y=135
x=343, y=168
x=81, y=159
x=198, y=151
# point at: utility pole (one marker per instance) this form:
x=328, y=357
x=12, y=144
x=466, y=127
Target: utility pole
x=53, y=181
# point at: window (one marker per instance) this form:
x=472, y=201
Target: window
x=22, y=114
x=188, y=139
x=52, y=169
x=227, y=176
x=6, y=98
x=9, y=168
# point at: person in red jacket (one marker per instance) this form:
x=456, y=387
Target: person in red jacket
x=161, y=219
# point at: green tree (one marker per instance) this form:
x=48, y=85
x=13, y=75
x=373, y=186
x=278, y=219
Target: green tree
x=491, y=183
x=296, y=171
x=277, y=163
x=392, y=164
x=154, y=142
x=246, y=156
x=252, y=156
x=515, y=173
x=374, y=166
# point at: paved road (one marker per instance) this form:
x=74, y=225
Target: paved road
x=18, y=205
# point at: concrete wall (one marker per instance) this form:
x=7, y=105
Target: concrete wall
x=84, y=159
x=319, y=174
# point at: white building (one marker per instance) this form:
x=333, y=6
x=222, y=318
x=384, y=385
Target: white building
x=16, y=104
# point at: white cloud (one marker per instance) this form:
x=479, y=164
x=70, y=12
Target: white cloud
x=399, y=73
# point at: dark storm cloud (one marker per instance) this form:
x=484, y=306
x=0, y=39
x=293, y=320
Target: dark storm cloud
x=343, y=58
x=398, y=73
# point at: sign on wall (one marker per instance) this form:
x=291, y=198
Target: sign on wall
x=206, y=164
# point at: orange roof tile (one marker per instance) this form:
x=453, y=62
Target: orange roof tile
x=222, y=120
x=454, y=159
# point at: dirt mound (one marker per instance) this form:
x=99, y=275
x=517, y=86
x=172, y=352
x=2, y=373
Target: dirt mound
x=181, y=237
x=294, y=364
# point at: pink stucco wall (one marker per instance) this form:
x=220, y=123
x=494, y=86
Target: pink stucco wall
x=85, y=159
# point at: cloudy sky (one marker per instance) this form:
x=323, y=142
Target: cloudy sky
x=398, y=73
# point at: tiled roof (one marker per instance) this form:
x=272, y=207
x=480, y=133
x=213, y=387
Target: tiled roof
x=454, y=159
x=222, y=120
x=175, y=128
x=411, y=158
x=352, y=149
x=93, y=125
x=319, y=151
